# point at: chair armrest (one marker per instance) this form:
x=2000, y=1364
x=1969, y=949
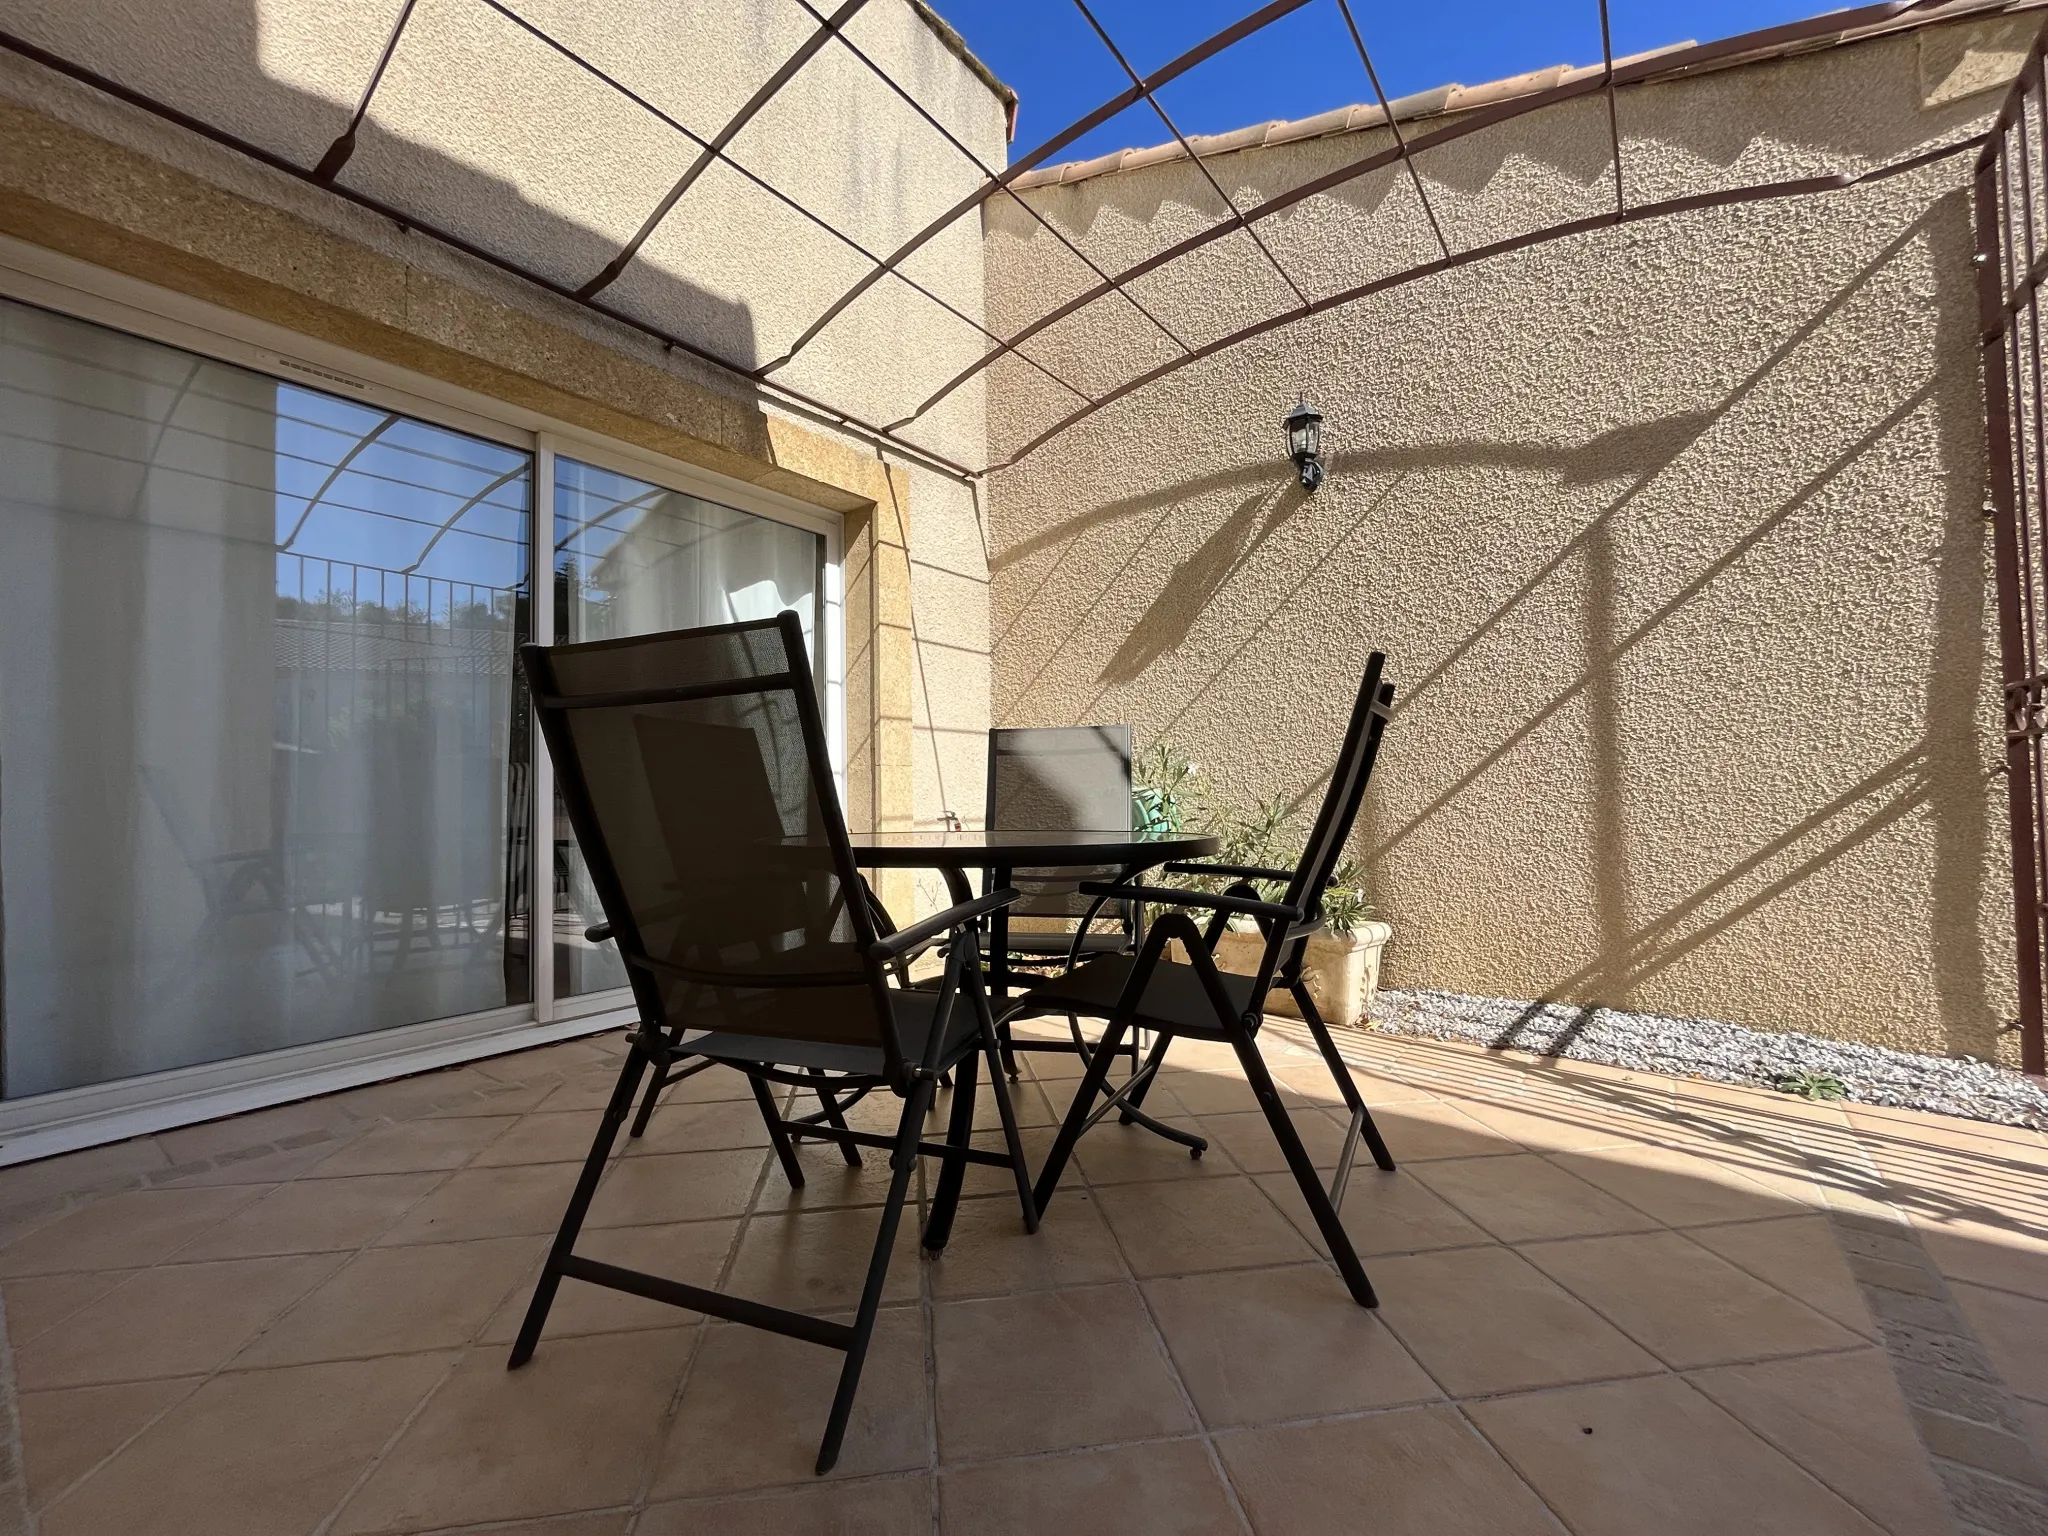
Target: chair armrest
x=1168, y=896
x=1236, y=871
x=953, y=917
x=597, y=933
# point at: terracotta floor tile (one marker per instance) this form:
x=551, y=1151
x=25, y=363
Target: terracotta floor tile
x=1417, y=1132
x=124, y=1231
x=1486, y=1320
x=489, y=1202
x=1661, y=1458
x=1383, y=1212
x=1249, y=1140
x=258, y=1452
x=692, y=1252
x=1113, y=1153
x=1685, y=1304
x=419, y=1146
x=2014, y=1331
x=173, y=1321
x=1312, y=1081
x=1841, y=1418
x=586, y=1091
x=542, y=1138
x=571, y=1430
x=699, y=1126
x=1421, y=1470
x=1253, y=1346
x=991, y=1254
x=76, y=1172
x=271, y=1167
x=829, y=1181
x=1798, y=1255
x=682, y=1186
x=399, y=1300
x=498, y=1099
x=39, y=1302
x=754, y=1410
x=1051, y=1370
x=236, y=1132
x=983, y=1179
x=1214, y=1092
x=817, y=1261
x=1523, y=1198
x=64, y=1434
x=885, y=1508
x=1174, y=1229
x=2006, y=1255
x=1027, y=1098
x=1558, y=1121
x=1682, y=1185
x=1168, y=1486
x=313, y=1216
x=714, y=1083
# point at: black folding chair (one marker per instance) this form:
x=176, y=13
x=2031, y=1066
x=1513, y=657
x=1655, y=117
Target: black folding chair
x=694, y=769
x=1196, y=999
x=1064, y=778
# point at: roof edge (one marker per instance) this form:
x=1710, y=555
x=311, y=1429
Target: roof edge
x=956, y=45
x=1443, y=100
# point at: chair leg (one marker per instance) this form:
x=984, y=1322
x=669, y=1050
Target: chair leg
x=1005, y=1107
x=1095, y=1080
x=834, y=1118
x=1328, y=1221
x=579, y=1207
x=778, y=1134
x=655, y=1084
x=1146, y=1075
x=938, y=1228
x=902, y=1162
x=1334, y=1060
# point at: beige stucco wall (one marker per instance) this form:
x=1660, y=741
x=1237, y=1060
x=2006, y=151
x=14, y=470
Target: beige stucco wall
x=480, y=128
x=1672, y=536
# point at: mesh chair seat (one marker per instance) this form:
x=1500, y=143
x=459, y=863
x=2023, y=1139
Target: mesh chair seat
x=916, y=1012
x=1174, y=999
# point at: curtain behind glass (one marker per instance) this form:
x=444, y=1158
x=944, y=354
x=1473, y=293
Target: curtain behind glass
x=635, y=559
x=257, y=711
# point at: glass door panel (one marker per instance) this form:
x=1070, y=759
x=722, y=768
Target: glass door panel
x=263, y=754
x=632, y=558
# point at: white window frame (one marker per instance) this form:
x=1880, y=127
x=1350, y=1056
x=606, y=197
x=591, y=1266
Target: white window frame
x=72, y=1118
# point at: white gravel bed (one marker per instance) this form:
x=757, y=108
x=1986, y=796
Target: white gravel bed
x=1725, y=1053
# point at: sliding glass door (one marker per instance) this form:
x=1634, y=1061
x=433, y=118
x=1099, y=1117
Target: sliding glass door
x=263, y=754
x=632, y=558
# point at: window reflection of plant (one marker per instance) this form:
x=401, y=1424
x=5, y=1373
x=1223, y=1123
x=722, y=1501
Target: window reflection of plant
x=1170, y=794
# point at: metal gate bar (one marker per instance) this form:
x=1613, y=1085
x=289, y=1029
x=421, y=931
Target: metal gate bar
x=2012, y=259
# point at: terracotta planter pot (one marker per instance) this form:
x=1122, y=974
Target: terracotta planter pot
x=1343, y=973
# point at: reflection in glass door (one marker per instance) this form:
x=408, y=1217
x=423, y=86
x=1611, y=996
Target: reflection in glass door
x=633, y=558
x=263, y=754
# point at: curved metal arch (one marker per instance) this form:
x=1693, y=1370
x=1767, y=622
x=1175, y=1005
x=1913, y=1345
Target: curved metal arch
x=1763, y=192
x=1236, y=32
x=715, y=149
x=522, y=467
x=1404, y=150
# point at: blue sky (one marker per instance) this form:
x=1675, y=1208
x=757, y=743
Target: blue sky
x=1305, y=63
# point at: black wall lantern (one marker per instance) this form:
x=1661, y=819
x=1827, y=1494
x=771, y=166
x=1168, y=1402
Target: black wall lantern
x=1305, y=443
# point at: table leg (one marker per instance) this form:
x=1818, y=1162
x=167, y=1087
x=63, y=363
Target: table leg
x=999, y=944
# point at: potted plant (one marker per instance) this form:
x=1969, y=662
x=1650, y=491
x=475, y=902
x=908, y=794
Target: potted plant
x=1342, y=966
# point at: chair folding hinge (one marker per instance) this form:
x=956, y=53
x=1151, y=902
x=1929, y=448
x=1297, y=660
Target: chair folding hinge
x=648, y=1038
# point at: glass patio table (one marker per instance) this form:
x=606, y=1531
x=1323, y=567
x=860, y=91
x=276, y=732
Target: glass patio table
x=953, y=854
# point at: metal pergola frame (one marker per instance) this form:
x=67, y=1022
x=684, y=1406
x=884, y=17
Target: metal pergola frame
x=830, y=30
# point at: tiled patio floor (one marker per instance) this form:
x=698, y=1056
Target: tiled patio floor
x=1611, y=1304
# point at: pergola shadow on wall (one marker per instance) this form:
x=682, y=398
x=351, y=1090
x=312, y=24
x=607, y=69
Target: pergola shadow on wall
x=2013, y=253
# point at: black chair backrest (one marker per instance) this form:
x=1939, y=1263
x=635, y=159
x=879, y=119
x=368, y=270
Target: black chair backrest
x=1068, y=778
x=694, y=769
x=1324, y=850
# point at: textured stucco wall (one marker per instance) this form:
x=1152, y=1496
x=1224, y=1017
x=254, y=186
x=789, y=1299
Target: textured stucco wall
x=480, y=128
x=1672, y=536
